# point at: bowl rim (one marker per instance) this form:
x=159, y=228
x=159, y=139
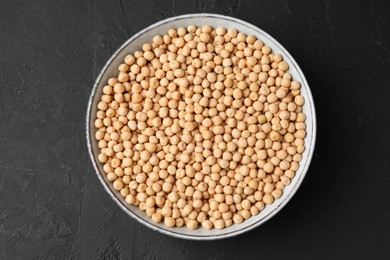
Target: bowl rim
x=294, y=189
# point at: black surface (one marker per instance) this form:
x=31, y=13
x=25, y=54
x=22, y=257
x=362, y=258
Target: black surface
x=52, y=205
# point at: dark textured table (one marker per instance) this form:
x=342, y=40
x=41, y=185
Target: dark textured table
x=52, y=205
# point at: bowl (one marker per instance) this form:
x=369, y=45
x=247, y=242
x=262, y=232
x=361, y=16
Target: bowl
x=110, y=69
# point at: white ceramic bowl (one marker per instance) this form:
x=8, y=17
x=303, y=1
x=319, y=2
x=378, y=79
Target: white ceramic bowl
x=110, y=69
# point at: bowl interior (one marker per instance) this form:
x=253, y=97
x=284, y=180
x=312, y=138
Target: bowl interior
x=135, y=43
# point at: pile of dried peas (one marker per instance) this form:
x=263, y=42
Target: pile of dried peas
x=201, y=127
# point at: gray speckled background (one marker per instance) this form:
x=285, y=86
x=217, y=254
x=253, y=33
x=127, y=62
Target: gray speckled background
x=52, y=205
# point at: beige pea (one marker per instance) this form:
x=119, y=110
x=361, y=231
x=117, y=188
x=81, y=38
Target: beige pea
x=192, y=224
x=268, y=188
x=268, y=167
x=245, y=214
x=268, y=199
x=118, y=184
x=169, y=221
x=283, y=66
x=219, y=224
x=207, y=224
x=277, y=193
x=156, y=217
x=299, y=100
